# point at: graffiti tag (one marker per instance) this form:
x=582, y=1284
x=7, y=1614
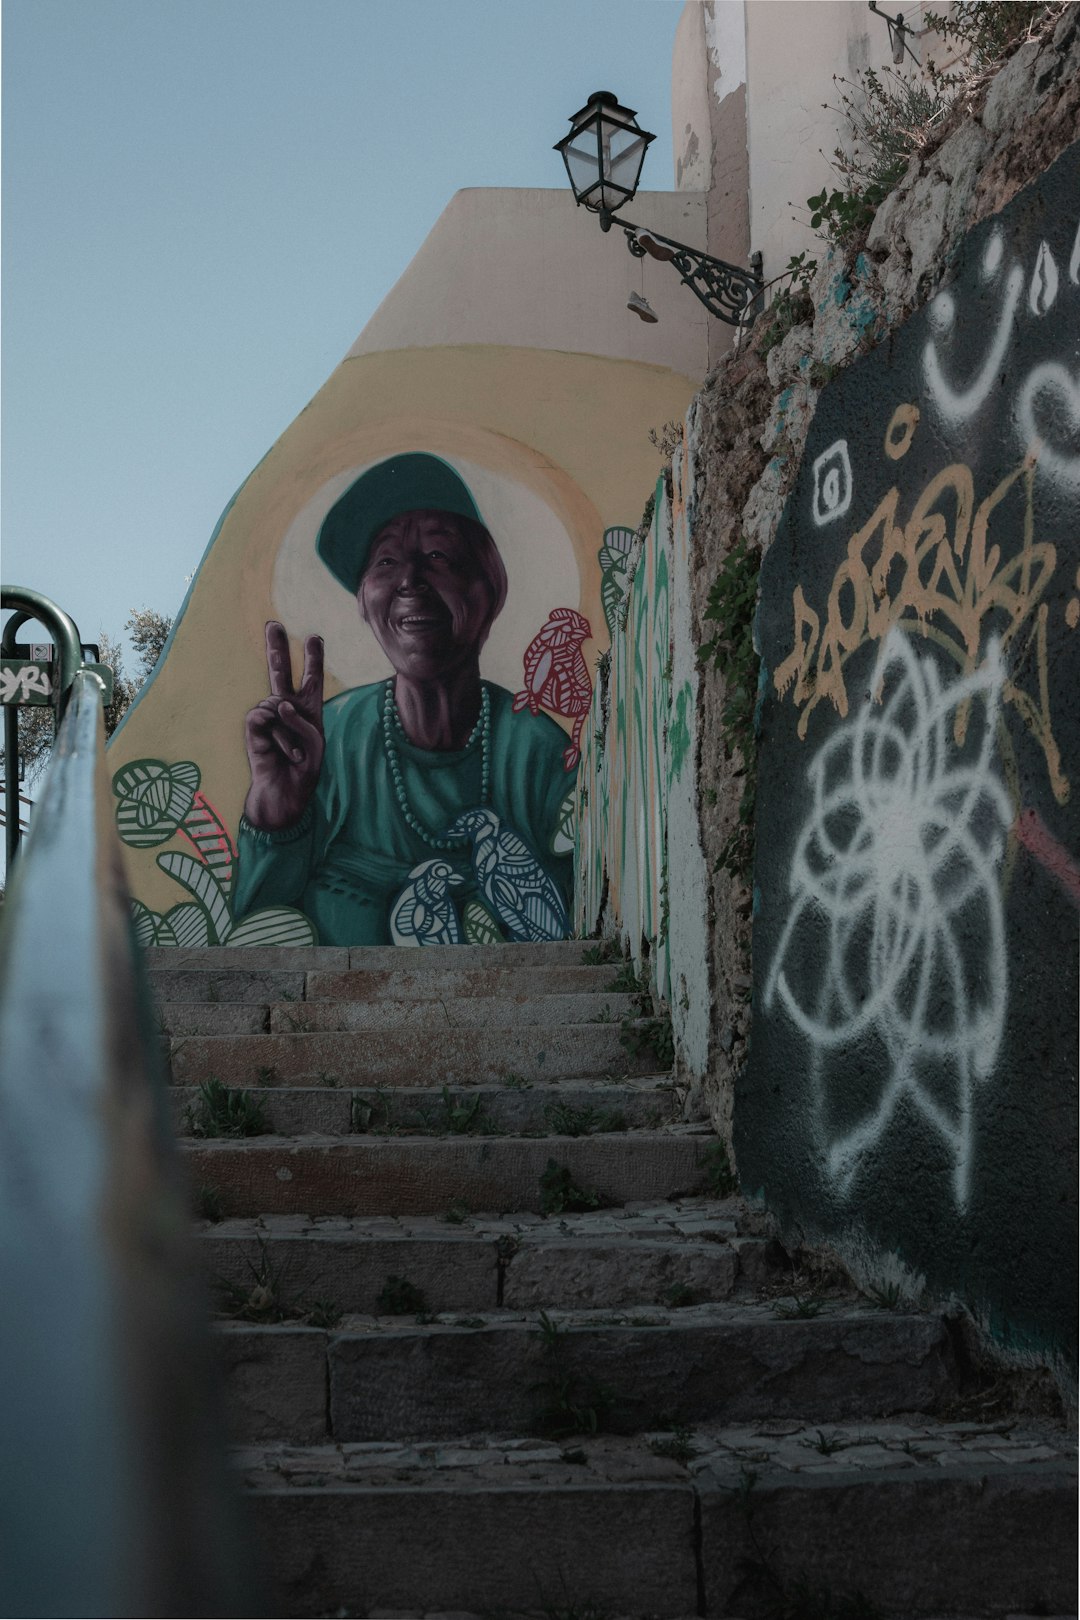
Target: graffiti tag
x=946, y=571
x=24, y=683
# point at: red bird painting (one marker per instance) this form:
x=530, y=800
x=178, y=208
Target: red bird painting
x=556, y=675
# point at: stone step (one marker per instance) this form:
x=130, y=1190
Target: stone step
x=272, y=983
x=428, y=1376
x=567, y=1107
x=694, y=1251
x=326, y=1175
x=407, y=1057
x=894, y=1519
x=337, y=958
x=290, y=1017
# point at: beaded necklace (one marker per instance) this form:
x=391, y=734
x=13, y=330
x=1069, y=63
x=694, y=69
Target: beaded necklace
x=391, y=723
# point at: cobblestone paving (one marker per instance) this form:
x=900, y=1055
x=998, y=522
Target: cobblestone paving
x=725, y=1454
x=695, y=1219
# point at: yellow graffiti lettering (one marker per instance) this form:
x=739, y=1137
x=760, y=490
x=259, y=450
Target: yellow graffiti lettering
x=941, y=573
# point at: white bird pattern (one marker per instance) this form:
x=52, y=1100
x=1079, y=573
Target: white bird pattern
x=424, y=913
x=514, y=883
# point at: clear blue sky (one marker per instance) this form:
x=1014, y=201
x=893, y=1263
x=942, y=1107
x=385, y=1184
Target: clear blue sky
x=203, y=203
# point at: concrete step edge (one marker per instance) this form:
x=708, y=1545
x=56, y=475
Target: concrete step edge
x=541, y=1108
x=419, y=1175
x=430, y=1376
x=450, y=1056
x=373, y=958
x=325, y=1276
x=282, y=982
x=557, y=1009
x=611, y=1526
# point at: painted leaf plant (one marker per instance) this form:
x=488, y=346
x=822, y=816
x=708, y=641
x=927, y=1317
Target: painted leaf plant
x=157, y=801
x=614, y=555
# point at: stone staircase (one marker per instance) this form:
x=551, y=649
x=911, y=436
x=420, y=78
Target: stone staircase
x=495, y=1343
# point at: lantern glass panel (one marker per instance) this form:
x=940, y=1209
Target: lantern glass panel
x=624, y=154
x=580, y=158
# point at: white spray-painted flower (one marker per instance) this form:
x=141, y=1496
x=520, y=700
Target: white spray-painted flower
x=895, y=938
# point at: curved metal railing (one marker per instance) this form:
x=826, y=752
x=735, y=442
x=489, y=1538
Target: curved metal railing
x=116, y=1495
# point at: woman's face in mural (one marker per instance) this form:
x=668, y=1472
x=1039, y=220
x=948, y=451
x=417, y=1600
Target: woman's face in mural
x=425, y=595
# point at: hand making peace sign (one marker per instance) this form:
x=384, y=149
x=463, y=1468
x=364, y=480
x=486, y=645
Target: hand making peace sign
x=284, y=736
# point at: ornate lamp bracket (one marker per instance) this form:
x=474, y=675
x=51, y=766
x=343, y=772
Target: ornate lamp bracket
x=728, y=291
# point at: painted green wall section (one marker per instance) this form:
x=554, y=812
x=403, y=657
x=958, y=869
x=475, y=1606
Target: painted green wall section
x=641, y=873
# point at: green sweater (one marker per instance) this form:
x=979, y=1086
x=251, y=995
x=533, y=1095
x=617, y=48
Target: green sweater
x=349, y=856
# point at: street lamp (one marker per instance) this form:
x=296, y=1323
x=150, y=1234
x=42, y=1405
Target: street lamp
x=604, y=153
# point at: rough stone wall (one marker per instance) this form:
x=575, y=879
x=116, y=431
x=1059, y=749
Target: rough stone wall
x=747, y=429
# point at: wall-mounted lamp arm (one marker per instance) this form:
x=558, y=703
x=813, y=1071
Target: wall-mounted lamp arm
x=728, y=291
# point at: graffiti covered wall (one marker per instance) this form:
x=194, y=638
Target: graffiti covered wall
x=913, y=1070
x=640, y=872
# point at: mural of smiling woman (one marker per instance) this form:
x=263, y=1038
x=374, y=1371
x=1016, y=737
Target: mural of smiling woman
x=354, y=803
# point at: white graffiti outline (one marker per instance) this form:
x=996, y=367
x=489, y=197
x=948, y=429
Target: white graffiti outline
x=1044, y=282
x=929, y=834
x=833, y=484
x=29, y=681
x=1049, y=378
x=957, y=404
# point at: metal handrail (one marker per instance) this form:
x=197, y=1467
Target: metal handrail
x=114, y=1479
x=32, y=606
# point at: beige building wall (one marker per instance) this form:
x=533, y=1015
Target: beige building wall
x=531, y=269
x=708, y=114
x=756, y=113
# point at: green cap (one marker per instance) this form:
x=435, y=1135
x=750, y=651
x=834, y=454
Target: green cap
x=410, y=483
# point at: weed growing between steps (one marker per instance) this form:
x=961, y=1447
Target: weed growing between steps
x=627, y=983
x=651, y=1037
x=208, y=1205
x=644, y=1033
x=795, y=1598
x=678, y=1297
x=720, y=1181
x=563, y=1119
x=569, y=1404
x=678, y=1446
x=560, y=1194
x=460, y=1118
x=887, y=1296
x=827, y=1444
x=325, y=1313
x=452, y=1115
x=399, y=1297
x=266, y=1297
x=219, y=1110
x=799, y=1306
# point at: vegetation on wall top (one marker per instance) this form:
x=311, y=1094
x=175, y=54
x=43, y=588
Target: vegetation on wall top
x=731, y=604
x=894, y=114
